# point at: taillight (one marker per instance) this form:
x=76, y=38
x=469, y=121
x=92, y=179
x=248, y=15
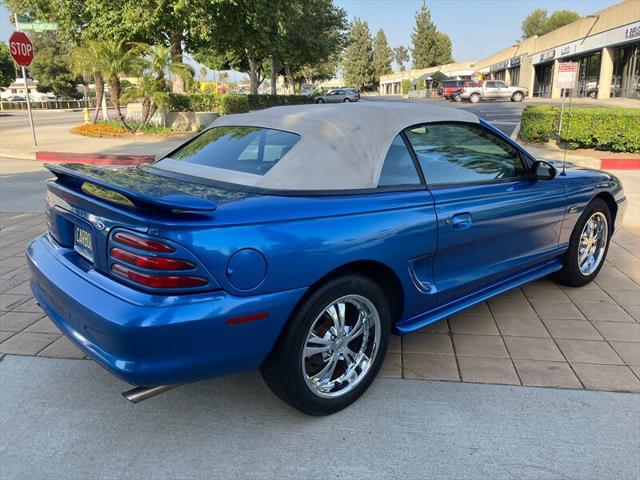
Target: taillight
x=151, y=263
x=157, y=281
x=162, y=258
x=142, y=243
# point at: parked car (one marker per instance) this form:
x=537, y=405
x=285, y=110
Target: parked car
x=340, y=95
x=446, y=87
x=15, y=98
x=297, y=239
x=355, y=92
x=493, y=90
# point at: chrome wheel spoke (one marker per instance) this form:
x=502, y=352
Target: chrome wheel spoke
x=593, y=243
x=341, y=344
x=310, y=351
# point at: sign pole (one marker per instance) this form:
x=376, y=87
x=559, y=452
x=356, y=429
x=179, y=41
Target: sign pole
x=26, y=89
x=33, y=130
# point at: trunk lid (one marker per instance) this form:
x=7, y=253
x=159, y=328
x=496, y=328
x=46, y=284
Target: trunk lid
x=85, y=203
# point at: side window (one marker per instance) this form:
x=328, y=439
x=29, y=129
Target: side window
x=502, y=85
x=398, y=167
x=490, y=85
x=453, y=153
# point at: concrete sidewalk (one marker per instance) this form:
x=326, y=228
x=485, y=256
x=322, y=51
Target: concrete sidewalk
x=65, y=419
x=55, y=135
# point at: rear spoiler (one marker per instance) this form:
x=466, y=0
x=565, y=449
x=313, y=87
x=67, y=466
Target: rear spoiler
x=171, y=200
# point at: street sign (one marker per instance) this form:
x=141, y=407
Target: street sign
x=26, y=23
x=567, y=73
x=21, y=49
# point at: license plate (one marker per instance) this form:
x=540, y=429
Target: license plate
x=83, y=244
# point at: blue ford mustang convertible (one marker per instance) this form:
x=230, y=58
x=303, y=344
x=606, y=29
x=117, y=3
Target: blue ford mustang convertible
x=297, y=239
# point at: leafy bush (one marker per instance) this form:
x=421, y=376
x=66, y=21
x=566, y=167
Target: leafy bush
x=405, y=85
x=614, y=129
x=222, y=103
x=194, y=102
x=258, y=102
x=109, y=129
x=539, y=123
x=233, y=104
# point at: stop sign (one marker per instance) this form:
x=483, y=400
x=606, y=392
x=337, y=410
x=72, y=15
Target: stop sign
x=21, y=49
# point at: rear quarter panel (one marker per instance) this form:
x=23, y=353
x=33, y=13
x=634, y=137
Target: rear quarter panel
x=305, y=238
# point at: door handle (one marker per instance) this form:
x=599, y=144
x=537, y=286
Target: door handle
x=460, y=221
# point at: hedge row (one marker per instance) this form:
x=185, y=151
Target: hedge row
x=614, y=129
x=227, y=103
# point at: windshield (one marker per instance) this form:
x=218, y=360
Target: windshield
x=251, y=151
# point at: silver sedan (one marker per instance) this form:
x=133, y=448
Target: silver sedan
x=339, y=95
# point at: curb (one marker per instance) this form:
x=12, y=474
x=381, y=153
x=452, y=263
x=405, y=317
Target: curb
x=516, y=131
x=93, y=158
x=620, y=163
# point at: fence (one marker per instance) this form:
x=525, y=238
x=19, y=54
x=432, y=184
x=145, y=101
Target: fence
x=424, y=93
x=47, y=104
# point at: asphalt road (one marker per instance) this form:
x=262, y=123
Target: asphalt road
x=503, y=115
x=65, y=419
x=19, y=118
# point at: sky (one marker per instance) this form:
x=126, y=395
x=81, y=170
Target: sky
x=477, y=28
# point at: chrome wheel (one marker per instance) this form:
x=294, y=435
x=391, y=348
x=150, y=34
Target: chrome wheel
x=341, y=346
x=593, y=243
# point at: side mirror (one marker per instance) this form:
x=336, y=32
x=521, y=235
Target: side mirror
x=541, y=170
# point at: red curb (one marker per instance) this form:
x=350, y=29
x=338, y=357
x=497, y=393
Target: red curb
x=620, y=163
x=93, y=158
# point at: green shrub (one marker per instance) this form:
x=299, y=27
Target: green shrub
x=614, y=129
x=228, y=103
x=258, y=102
x=405, y=85
x=233, y=104
x=194, y=102
x=539, y=123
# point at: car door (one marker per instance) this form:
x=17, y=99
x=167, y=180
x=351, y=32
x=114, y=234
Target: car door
x=503, y=90
x=494, y=220
x=490, y=90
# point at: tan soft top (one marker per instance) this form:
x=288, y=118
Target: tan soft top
x=342, y=146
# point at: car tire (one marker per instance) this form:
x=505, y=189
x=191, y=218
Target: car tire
x=319, y=100
x=474, y=98
x=286, y=371
x=346, y=100
x=573, y=272
x=593, y=95
x=517, y=97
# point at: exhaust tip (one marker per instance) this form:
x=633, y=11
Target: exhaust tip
x=140, y=394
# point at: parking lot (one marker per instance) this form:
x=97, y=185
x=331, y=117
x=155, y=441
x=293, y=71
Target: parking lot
x=540, y=382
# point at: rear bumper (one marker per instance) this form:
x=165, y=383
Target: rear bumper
x=149, y=340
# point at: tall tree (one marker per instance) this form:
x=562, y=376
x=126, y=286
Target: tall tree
x=430, y=47
x=538, y=22
x=178, y=24
x=382, y=55
x=358, y=56
x=7, y=69
x=560, y=18
x=245, y=33
x=315, y=34
x=51, y=66
x=442, y=50
x=401, y=56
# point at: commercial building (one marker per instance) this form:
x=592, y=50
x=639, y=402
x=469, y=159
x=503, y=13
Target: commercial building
x=606, y=46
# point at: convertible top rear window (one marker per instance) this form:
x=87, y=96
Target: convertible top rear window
x=247, y=150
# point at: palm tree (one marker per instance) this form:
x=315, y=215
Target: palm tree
x=113, y=60
x=153, y=95
x=83, y=62
x=163, y=66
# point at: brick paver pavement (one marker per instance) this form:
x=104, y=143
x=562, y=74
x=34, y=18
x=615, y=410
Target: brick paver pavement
x=539, y=335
